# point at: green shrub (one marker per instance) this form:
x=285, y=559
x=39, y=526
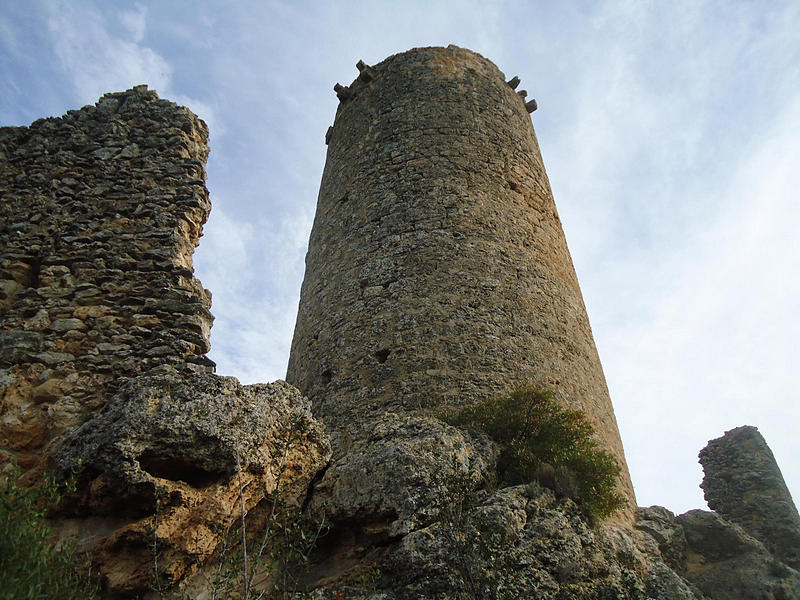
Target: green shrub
x=32, y=567
x=545, y=442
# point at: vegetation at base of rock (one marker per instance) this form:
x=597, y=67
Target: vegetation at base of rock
x=264, y=550
x=541, y=440
x=482, y=561
x=272, y=561
x=32, y=567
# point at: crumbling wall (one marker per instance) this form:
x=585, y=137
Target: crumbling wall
x=743, y=483
x=101, y=210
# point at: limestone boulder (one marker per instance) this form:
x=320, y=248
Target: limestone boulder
x=523, y=542
x=728, y=564
x=661, y=525
x=171, y=460
x=389, y=479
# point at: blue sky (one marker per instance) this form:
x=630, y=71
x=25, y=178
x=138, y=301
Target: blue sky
x=670, y=132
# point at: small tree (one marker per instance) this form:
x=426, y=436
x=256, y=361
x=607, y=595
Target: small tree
x=541, y=440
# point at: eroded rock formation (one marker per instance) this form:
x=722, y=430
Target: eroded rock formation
x=744, y=484
x=727, y=564
x=522, y=542
x=191, y=449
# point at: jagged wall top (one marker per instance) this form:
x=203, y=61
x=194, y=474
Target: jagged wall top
x=101, y=210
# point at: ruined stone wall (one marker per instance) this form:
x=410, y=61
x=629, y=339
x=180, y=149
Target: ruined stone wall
x=100, y=211
x=437, y=272
x=743, y=483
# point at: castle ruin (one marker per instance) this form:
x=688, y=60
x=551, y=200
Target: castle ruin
x=437, y=275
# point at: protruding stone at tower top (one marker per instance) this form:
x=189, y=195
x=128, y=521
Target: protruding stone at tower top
x=437, y=272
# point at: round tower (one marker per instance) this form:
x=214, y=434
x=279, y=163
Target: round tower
x=437, y=271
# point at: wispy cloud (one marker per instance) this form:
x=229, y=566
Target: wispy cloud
x=715, y=350
x=98, y=60
x=678, y=207
x=135, y=21
x=255, y=291
x=103, y=51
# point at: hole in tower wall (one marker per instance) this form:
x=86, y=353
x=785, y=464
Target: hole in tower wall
x=382, y=355
x=35, y=272
x=327, y=375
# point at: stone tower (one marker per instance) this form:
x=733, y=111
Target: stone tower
x=437, y=272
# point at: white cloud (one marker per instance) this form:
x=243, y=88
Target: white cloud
x=715, y=350
x=96, y=60
x=253, y=271
x=135, y=21
x=98, y=56
x=676, y=198
x=224, y=248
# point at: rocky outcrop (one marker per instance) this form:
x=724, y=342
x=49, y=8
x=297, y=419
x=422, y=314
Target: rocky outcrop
x=728, y=564
x=744, y=484
x=522, y=542
x=660, y=524
x=197, y=431
x=171, y=459
x=717, y=557
x=390, y=478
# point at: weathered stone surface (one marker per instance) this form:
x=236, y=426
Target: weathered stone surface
x=389, y=477
x=728, y=564
x=437, y=272
x=660, y=524
x=743, y=483
x=100, y=211
x=172, y=447
x=521, y=542
x=16, y=346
